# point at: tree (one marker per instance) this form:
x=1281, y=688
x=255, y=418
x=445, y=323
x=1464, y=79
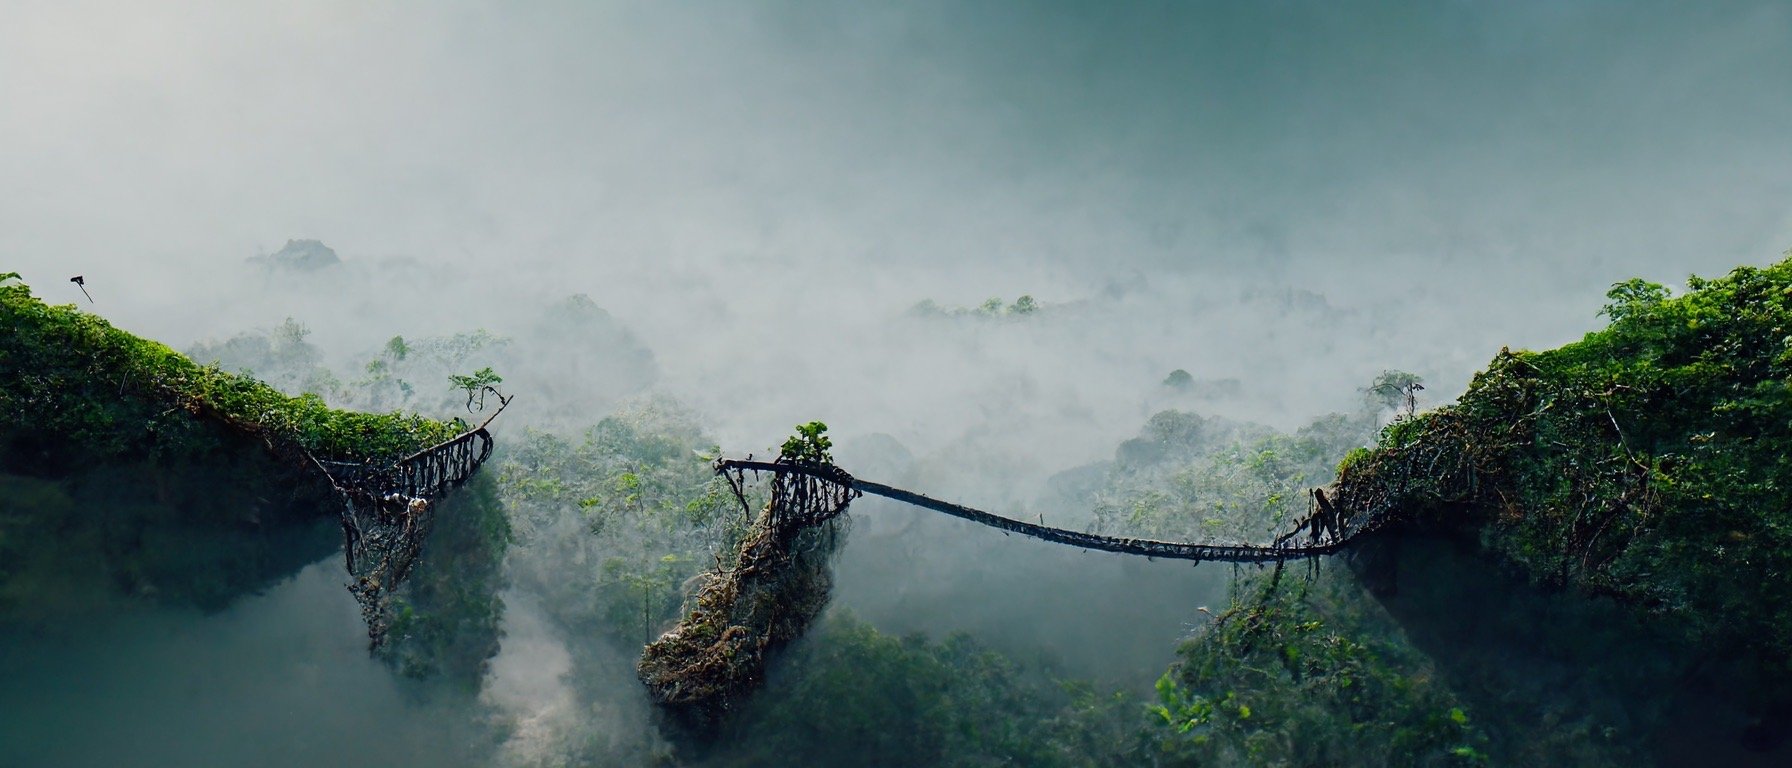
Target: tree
x=397, y=349
x=1628, y=298
x=1392, y=389
x=810, y=443
x=477, y=385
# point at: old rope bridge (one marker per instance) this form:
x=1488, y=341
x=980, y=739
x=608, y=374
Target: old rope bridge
x=1326, y=529
x=780, y=579
x=388, y=508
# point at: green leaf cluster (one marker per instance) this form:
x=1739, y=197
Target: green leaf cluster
x=810, y=443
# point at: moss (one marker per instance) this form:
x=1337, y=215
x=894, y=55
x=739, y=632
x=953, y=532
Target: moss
x=1350, y=459
x=1644, y=463
x=79, y=390
x=710, y=663
x=780, y=581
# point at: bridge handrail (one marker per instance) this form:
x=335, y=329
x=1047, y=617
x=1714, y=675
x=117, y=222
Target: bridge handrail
x=503, y=402
x=1231, y=553
x=362, y=471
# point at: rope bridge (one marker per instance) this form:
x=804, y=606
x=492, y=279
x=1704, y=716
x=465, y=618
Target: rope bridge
x=1325, y=530
x=425, y=474
x=387, y=513
x=780, y=579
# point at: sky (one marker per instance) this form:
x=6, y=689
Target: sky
x=1486, y=169
x=1293, y=196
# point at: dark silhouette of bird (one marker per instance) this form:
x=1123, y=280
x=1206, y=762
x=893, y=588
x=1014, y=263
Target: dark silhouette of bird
x=82, y=283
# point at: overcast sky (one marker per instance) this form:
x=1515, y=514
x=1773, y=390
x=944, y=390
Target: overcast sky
x=715, y=174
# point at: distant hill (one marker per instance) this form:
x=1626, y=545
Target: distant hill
x=305, y=255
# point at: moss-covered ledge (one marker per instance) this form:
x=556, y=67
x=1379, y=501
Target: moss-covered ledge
x=1590, y=566
x=73, y=374
x=128, y=469
x=1650, y=461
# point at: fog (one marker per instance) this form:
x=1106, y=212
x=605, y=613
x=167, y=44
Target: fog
x=1295, y=196
x=281, y=679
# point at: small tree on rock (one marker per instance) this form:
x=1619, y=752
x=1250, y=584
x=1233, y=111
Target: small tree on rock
x=477, y=385
x=810, y=443
x=1393, y=389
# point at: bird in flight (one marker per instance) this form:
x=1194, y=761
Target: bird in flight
x=82, y=283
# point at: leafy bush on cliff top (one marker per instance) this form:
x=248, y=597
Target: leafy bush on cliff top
x=102, y=392
x=1649, y=461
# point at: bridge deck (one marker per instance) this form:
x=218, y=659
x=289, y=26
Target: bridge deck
x=1285, y=547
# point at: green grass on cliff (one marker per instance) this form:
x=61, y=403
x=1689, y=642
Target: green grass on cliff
x=75, y=389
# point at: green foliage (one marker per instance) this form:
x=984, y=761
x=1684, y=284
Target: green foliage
x=1308, y=673
x=613, y=525
x=477, y=384
x=283, y=358
x=1192, y=478
x=484, y=377
x=280, y=357
x=447, y=615
x=164, y=486
x=1392, y=389
x=95, y=388
x=1646, y=461
x=397, y=349
x=810, y=443
x=172, y=495
x=850, y=695
x=1633, y=297
x=1350, y=459
x=991, y=308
